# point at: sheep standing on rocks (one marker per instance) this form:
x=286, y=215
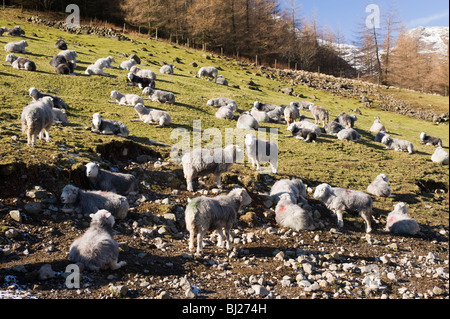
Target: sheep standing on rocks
x=291, y=114
x=57, y=101
x=126, y=99
x=377, y=127
x=21, y=63
x=140, y=82
x=320, y=114
x=398, y=221
x=202, y=162
x=103, y=180
x=294, y=187
x=225, y=113
x=109, y=127
x=159, y=95
x=339, y=200
x=16, y=47
x=143, y=73
x=440, y=156
x=430, y=140
x=291, y=215
x=166, y=69
x=333, y=128
x=126, y=65
x=349, y=134
x=346, y=120
x=380, y=187
x=95, y=70
x=397, y=144
x=259, y=151
x=223, y=101
x=105, y=62
x=37, y=117
x=61, y=44
x=219, y=213
x=247, y=122
x=89, y=202
x=96, y=249
x=209, y=72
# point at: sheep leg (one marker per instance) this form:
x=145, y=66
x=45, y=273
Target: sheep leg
x=367, y=220
x=221, y=237
x=339, y=214
x=47, y=135
x=200, y=243
x=190, y=188
x=219, y=181
x=116, y=265
x=191, y=241
x=228, y=238
x=274, y=167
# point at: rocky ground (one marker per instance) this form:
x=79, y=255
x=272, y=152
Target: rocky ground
x=266, y=261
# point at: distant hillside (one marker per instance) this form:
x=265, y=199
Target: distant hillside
x=432, y=39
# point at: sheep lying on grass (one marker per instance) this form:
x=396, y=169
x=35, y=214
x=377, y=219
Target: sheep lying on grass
x=119, y=183
x=306, y=125
x=70, y=55
x=379, y=137
x=65, y=68
x=105, y=62
x=61, y=44
x=15, y=32
x=430, y=140
x=260, y=116
x=320, y=114
x=108, y=127
x=380, y=187
x=306, y=135
x=37, y=117
x=127, y=65
x=294, y=187
x=346, y=120
x=140, y=82
x=161, y=118
x=349, y=134
x=275, y=114
x=247, y=122
x=60, y=116
x=291, y=215
x=397, y=144
x=221, y=80
x=259, y=151
x=16, y=47
x=398, y=221
x=339, y=200
x=57, y=60
x=219, y=213
x=223, y=101
x=143, y=73
x=89, y=202
x=57, y=101
x=333, y=128
x=209, y=72
x=96, y=249
x=440, y=156
x=126, y=99
x=264, y=107
x=202, y=162
x=95, y=70
x=377, y=127
x=166, y=69
x=225, y=113
x=159, y=95
x=21, y=63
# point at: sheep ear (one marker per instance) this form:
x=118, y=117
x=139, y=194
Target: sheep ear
x=91, y=216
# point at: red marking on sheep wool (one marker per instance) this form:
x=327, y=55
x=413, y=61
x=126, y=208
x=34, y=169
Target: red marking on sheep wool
x=348, y=191
x=392, y=219
x=282, y=209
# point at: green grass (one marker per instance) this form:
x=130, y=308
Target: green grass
x=338, y=163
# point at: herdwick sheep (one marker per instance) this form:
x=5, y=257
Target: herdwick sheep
x=109, y=127
x=21, y=63
x=141, y=110
x=60, y=116
x=161, y=118
x=65, y=68
x=346, y=120
x=126, y=65
x=275, y=114
x=440, y=156
x=95, y=70
x=223, y=101
x=247, y=122
x=3, y=30
x=89, y=202
x=105, y=62
x=16, y=32
x=221, y=80
x=303, y=123
x=397, y=144
x=225, y=113
x=103, y=180
x=264, y=107
x=202, y=162
x=70, y=55
x=333, y=128
x=57, y=101
x=379, y=137
x=126, y=99
x=339, y=200
x=430, y=140
x=304, y=134
x=302, y=105
x=57, y=60
x=377, y=127
x=349, y=134
x=380, y=187
x=140, y=82
x=260, y=116
x=320, y=114
x=166, y=69
x=143, y=73
x=208, y=72
x=291, y=215
x=16, y=47
x=291, y=113
x=37, y=117
x=159, y=95
x=260, y=151
x=61, y=44
x=294, y=187
x=219, y=213
x=398, y=221
x=96, y=249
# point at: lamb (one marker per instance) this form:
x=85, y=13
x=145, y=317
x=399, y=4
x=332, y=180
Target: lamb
x=21, y=63
x=320, y=114
x=208, y=72
x=377, y=127
x=65, y=68
x=295, y=188
x=264, y=107
x=291, y=215
x=291, y=113
x=109, y=127
x=16, y=47
x=397, y=144
x=126, y=65
x=96, y=249
x=225, y=113
x=218, y=213
x=333, y=128
x=159, y=95
x=380, y=187
x=440, y=156
x=70, y=55
x=60, y=116
x=161, y=118
x=57, y=101
x=339, y=200
x=430, y=140
x=349, y=134
x=261, y=151
x=37, y=117
x=95, y=70
x=143, y=73
x=119, y=183
x=16, y=32
x=201, y=162
x=166, y=69
x=247, y=122
x=61, y=44
x=140, y=82
x=260, y=116
x=126, y=99
x=304, y=134
x=398, y=221
x=346, y=120
x=221, y=80
x=223, y=101
x=105, y=62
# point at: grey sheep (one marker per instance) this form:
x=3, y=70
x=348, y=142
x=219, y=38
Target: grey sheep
x=379, y=137
x=221, y=80
x=303, y=123
x=264, y=107
x=103, y=180
x=333, y=128
x=37, y=117
x=349, y=134
x=15, y=32
x=219, y=213
x=57, y=60
x=397, y=144
x=161, y=118
x=60, y=116
x=21, y=63
x=380, y=187
x=61, y=44
x=223, y=101
x=377, y=127
x=3, y=30
x=291, y=113
x=96, y=249
x=108, y=127
x=440, y=156
x=339, y=200
x=304, y=134
x=291, y=215
x=127, y=65
x=294, y=187
x=65, y=68
x=95, y=70
x=57, y=101
x=159, y=95
x=275, y=114
x=346, y=120
x=209, y=72
x=260, y=151
x=247, y=122
x=225, y=113
x=398, y=221
x=70, y=55
x=143, y=73
x=320, y=114
x=89, y=202
x=260, y=116
x=430, y=140
x=202, y=162
x=16, y=47
x=126, y=99
x=105, y=62
x=166, y=69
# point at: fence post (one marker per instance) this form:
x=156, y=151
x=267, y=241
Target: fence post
x=275, y=63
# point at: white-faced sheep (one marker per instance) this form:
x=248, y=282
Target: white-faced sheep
x=260, y=116
x=61, y=44
x=225, y=113
x=221, y=80
x=108, y=127
x=440, y=156
x=223, y=101
x=16, y=47
x=166, y=69
x=333, y=128
x=291, y=114
x=95, y=70
x=380, y=187
x=397, y=144
x=260, y=151
x=89, y=202
x=57, y=101
x=291, y=215
x=320, y=114
x=346, y=120
x=209, y=72
x=60, y=116
x=339, y=200
x=294, y=187
x=21, y=63
x=143, y=73
x=37, y=117
x=161, y=118
x=159, y=95
x=16, y=32
x=96, y=249
x=377, y=127
x=70, y=55
x=247, y=122
x=202, y=162
x=264, y=107
x=140, y=82
x=219, y=213
x=126, y=65
x=305, y=124
x=430, y=140
x=126, y=99
x=398, y=221
x=105, y=62
x=349, y=134
x=103, y=180
x=302, y=105
x=141, y=110
x=275, y=114
x=304, y=134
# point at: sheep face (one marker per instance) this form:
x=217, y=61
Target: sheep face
x=147, y=91
x=422, y=136
x=102, y=217
x=401, y=208
x=33, y=92
x=114, y=94
x=96, y=120
x=69, y=194
x=383, y=177
x=321, y=191
x=92, y=170
x=243, y=196
x=386, y=140
x=139, y=108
